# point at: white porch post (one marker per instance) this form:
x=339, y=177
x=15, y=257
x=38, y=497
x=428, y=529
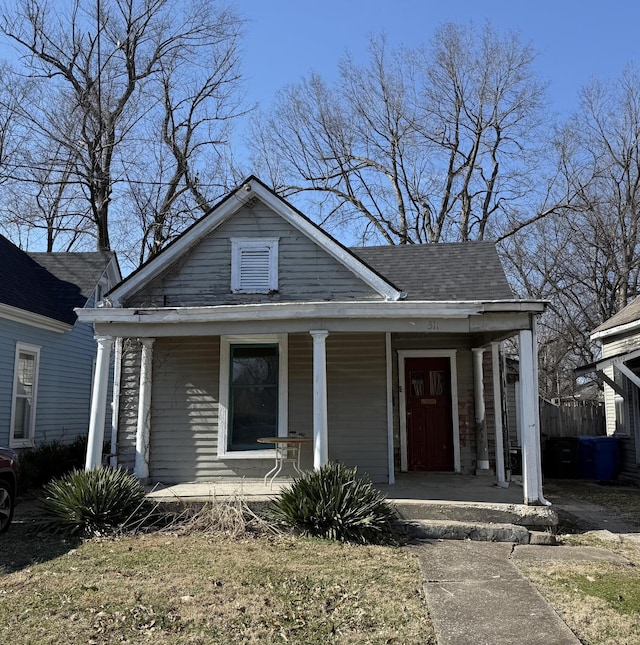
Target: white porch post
x=482, y=442
x=531, y=466
x=98, y=403
x=536, y=403
x=497, y=406
x=143, y=428
x=320, y=424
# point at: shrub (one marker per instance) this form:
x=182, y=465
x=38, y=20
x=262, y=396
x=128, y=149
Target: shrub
x=93, y=502
x=335, y=504
x=50, y=460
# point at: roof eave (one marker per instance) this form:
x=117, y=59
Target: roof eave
x=32, y=319
x=298, y=310
x=615, y=330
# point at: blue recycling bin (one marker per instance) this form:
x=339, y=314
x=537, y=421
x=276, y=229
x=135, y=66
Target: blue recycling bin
x=599, y=458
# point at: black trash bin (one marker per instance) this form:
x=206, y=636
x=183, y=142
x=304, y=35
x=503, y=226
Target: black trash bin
x=561, y=458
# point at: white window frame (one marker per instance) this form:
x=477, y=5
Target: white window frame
x=240, y=244
x=27, y=441
x=283, y=392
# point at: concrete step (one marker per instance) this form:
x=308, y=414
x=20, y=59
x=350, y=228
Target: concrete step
x=477, y=531
x=539, y=517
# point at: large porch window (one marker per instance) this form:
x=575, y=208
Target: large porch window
x=253, y=394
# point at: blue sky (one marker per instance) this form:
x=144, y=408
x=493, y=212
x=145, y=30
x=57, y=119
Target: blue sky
x=285, y=39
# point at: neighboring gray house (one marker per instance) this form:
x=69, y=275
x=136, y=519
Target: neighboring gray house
x=619, y=368
x=255, y=323
x=47, y=358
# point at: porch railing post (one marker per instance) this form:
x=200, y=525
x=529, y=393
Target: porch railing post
x=320, y=423
x=531, y=466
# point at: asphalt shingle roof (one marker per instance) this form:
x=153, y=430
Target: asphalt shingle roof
x=627, y=314
x=456, y=272
x=48, y=284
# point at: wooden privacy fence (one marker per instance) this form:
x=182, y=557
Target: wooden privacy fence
x=580, y=418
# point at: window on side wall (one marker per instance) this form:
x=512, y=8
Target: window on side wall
x=253, y=394
x=254, y=265
x=25, y=390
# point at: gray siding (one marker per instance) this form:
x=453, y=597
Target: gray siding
x=64, y=379
x=203, y=275
x=185, y=407
x=357, y=401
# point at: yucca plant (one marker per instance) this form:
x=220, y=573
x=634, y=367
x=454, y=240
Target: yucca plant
x=335, y=504
x=92, y=502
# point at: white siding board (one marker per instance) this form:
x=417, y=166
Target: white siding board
x=628, y=456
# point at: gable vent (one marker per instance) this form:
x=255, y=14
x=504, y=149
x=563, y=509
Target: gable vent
x=254, y=266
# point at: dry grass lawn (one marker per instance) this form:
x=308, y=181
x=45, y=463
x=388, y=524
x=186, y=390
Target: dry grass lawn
x=201, y=588
x=599, y=601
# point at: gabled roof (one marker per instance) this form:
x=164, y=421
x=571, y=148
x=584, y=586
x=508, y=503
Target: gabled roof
x=226, y=208
x=48, y=284
x=627, y=316
x=465, y=271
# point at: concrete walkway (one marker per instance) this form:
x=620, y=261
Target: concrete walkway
x=476, y=595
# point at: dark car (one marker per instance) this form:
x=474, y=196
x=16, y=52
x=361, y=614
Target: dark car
x=9, y=473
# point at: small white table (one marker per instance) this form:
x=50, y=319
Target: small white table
x=287, y=450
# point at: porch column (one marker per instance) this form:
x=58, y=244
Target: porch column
x=531, y=466
x=482, y=442
x=98, y=403
x=143, y=428
x=536, y=405
x=497, y=405
x=320, y=425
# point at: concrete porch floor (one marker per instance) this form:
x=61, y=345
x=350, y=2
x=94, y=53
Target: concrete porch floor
x=433, y=503
x=417, y=487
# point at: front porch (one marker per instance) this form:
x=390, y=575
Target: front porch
x=434, y=498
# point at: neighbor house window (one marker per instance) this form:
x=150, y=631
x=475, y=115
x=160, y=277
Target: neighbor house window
x=253, y=394
x=25, y=389
x=254, y=265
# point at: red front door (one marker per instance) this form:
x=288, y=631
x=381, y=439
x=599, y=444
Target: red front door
x=429, y=424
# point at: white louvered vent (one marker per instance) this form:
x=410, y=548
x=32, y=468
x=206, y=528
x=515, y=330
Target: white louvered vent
x=254, y=265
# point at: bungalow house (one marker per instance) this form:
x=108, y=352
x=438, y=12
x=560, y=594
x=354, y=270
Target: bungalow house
x=255, y=323
x=619, y=368
x=46, y=356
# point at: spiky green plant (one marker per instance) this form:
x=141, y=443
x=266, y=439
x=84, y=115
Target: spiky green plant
x=335, y=504
x=92, y=502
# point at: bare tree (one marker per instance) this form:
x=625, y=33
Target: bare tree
x=586, y=259
x=100, y=59
x=417, y=145
x=190, y=137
